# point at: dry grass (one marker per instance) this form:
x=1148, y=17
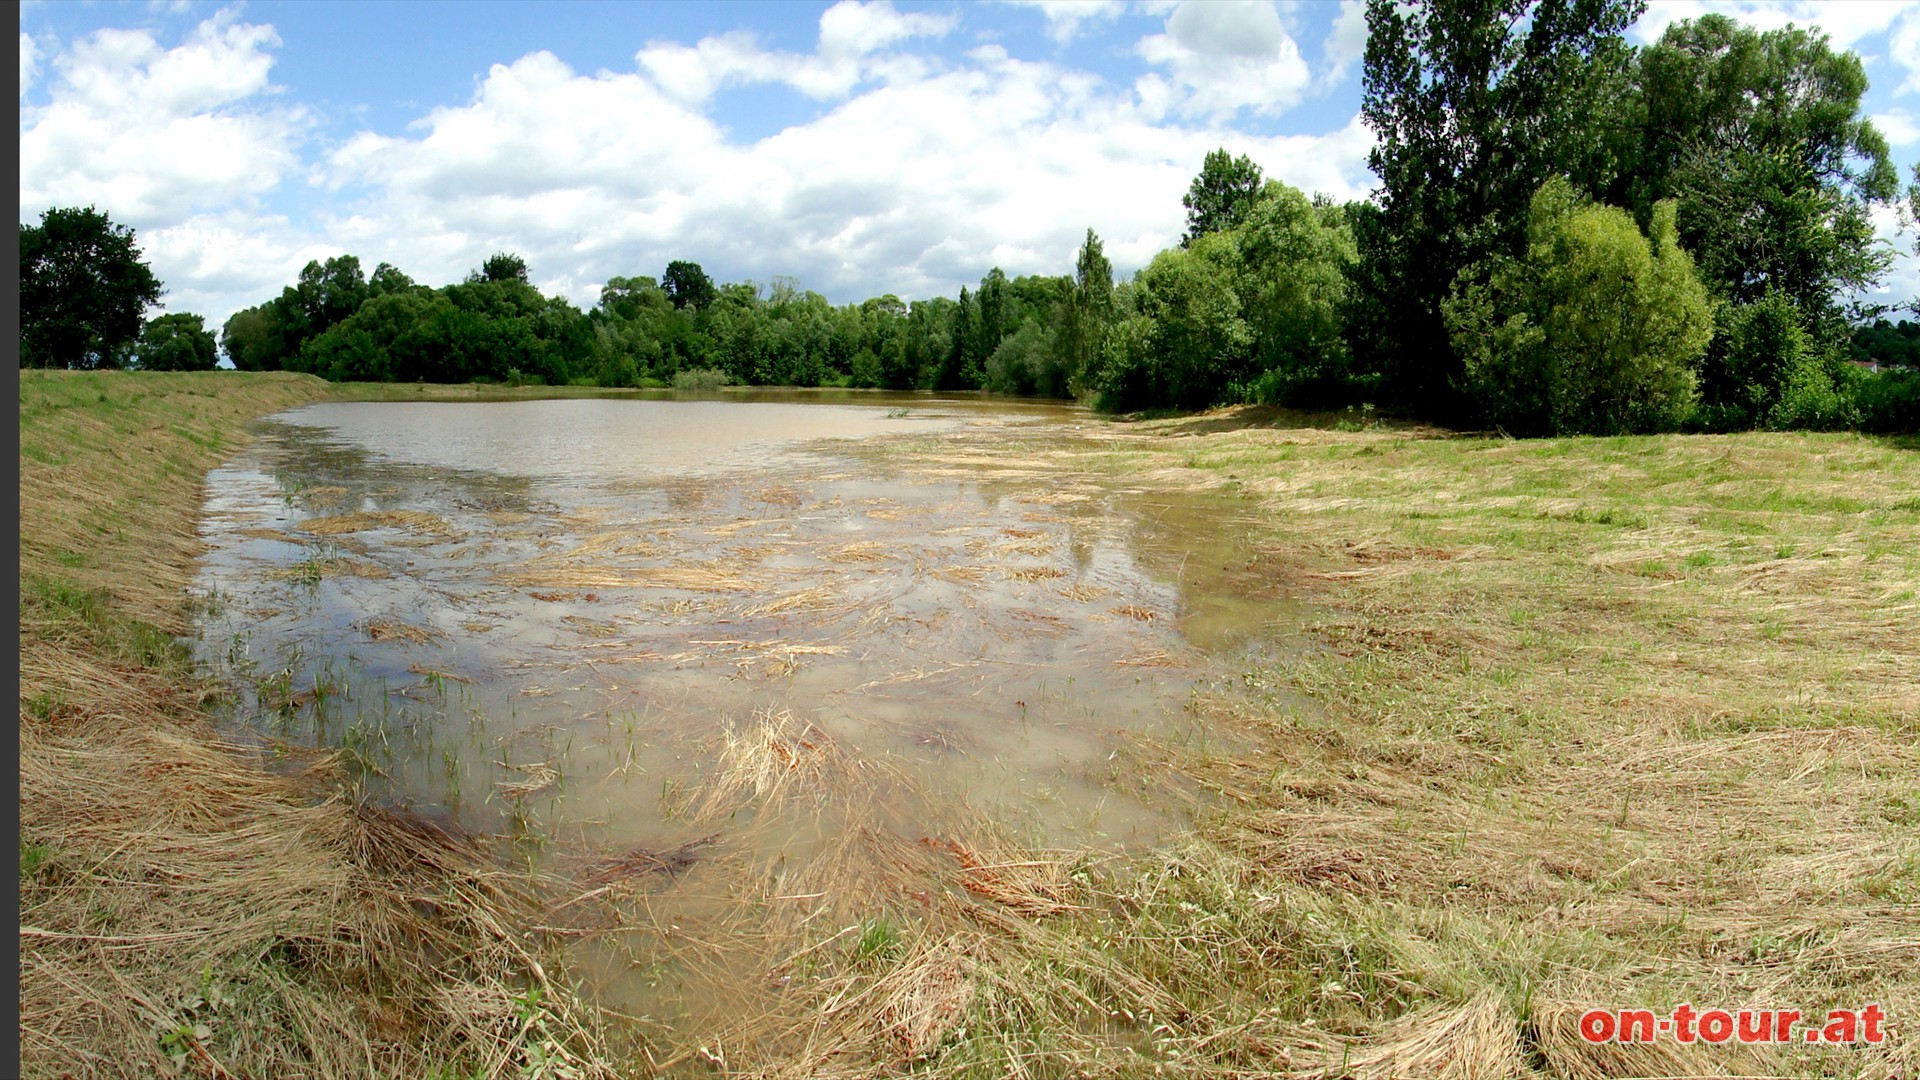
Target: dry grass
x=180, y=907
x=1576, y=722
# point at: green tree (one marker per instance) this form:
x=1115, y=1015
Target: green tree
x=1474, y=104
x=177, y=342
x=1222, y=195
x=501, y=266
x=1758, y=137
x=1081, y=328
x=1595, y=330
x=84, y=290
x=330, y=292
x=687, y=285
x=388, y=279
x=1295, y=257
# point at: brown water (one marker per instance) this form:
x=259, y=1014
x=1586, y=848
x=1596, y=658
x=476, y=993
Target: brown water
x=584, y=624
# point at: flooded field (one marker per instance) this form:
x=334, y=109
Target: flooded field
x=742, y=682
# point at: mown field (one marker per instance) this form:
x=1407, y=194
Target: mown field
x=1574, y=723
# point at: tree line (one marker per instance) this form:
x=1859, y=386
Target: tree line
x=1570, y=234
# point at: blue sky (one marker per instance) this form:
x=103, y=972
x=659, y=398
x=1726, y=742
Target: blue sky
x=859, y=147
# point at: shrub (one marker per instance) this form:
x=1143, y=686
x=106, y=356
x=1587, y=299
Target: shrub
x=1595, y=330
x=1887, y=402
x=700, y=379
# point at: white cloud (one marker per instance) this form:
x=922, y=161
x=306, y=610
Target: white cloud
x=1846, y=23
x=28, y=54
x=1346, y=43
x=1066, y=18
x=1226, y=55
x=850, y=34
x=153, y=134
x=1899, y=126
x=920, y=176
x=1904, y=44
x=915, y=186
x=851, y=28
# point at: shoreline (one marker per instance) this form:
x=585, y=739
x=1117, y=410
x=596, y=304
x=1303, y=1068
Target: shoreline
x=1606, y=721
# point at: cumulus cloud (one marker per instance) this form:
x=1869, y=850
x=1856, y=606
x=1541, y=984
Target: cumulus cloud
x=1346, y=43
x=915, y=186
x=1847, y=24
x=1899, y=126
x=27, y=56
x=920, y=176
x=155, y=133
x=1066, y=18
x=851, y=33
x=1223, y=56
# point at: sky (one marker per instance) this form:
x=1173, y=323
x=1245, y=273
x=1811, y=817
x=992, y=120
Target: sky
x=860, y=148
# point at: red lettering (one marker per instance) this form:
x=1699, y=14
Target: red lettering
x=1870, y=1018
x=1716, y=1025
x=1842, y=1027
x=1636, y=1025
x=1783, y=1022
x=1596, y=1026
x=1683, y=1023
x=1756, y=1025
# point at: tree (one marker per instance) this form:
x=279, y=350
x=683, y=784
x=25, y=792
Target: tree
x=1759, y=139
x=1474, y=104
x=1221, y=195
x=1295, y=258
x=329, y=292
x=500, y=266
x=387, y=280
x=1594, y=331
x=687, y=285
x=1088, y=311
x=83, y=290
x=177, y=342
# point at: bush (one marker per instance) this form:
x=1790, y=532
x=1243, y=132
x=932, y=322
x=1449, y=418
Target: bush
x=1026, y=363
x=1594, y=331
x=1887, y=402
x=700, y=379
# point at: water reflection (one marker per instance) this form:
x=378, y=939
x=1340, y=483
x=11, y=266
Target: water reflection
x=560, y=619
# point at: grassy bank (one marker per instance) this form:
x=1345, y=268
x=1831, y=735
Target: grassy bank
x=181, y=908
x=1576, y=722
x=1580, y=722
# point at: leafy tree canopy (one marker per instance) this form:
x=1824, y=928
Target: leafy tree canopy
x=1221, y=195
x=177, y=342
x=84, y=290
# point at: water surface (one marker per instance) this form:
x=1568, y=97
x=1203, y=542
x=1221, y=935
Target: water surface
x=586, y=623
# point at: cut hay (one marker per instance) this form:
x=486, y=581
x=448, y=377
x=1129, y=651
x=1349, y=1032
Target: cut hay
x=1032, y=573
x=540, y=776
x=645, y=862
x=1033, y=887
x=686, y=578
x=776, y=760
x=436, y=673
x=337, y=566
x=591, y=627
x=415, y=521
x=1476, y=1041
x=923, y=1000
x=389, y=629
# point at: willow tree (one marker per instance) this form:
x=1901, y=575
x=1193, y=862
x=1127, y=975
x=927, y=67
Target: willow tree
x=1594, y=330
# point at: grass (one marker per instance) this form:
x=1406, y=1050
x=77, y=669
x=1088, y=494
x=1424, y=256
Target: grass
x=181, y=908
x=1585, y=722
x=1574, y=722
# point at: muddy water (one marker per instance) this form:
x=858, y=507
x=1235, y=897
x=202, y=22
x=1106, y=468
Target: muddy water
x=585, y=624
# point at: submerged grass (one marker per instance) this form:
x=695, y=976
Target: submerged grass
x=1582, y=722
x=1614, y=722
x=182, y=909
